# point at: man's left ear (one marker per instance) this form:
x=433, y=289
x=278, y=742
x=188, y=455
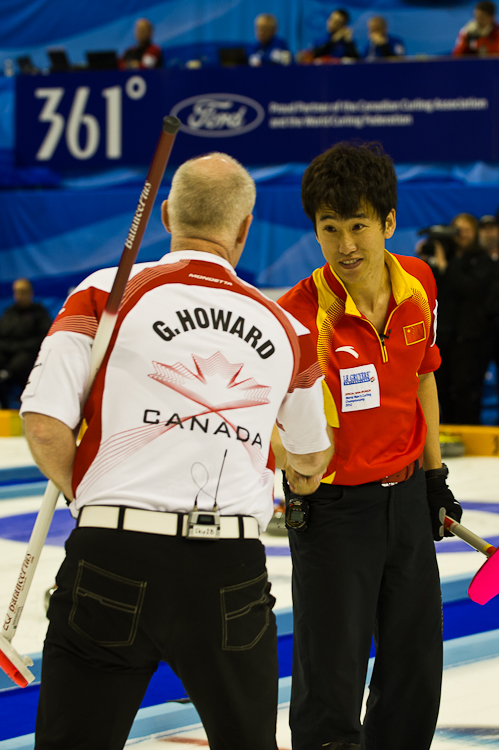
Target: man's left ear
x=164, y=216
x=390, y=224
x=244, y=229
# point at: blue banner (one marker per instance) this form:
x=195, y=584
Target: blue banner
x=440, y=111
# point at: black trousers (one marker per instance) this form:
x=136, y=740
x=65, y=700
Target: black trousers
x=125, y=601
x=366, y=566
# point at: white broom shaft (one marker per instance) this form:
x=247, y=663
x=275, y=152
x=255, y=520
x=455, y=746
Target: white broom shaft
x=101, y=342
x=51, y=495
x=28, y=567
x=469, y=537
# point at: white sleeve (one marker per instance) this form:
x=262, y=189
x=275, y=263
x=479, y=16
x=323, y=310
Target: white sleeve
x=58, y=379
x=301, y=420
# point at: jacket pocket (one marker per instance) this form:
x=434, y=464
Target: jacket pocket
x=106, y=607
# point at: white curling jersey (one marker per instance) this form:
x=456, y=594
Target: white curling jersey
x=200, y=367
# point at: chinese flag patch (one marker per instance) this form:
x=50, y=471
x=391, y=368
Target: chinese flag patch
x=414, y=333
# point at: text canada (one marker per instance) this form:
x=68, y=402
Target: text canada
x=213, y=427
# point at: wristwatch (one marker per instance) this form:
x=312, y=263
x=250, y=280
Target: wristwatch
x=443, y=471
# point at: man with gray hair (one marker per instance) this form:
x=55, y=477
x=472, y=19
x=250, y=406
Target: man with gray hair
x=269, y=49
x=172, y=483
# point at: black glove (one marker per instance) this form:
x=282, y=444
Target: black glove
x=439, y=496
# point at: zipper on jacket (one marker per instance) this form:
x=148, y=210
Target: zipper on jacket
x=382, y=337
x=385, y=335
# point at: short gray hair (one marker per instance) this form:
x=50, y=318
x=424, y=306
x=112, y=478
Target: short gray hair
x=269, y=17
x=201, y=199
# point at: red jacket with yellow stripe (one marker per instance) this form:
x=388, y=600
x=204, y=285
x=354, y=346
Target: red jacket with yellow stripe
x=371, y=380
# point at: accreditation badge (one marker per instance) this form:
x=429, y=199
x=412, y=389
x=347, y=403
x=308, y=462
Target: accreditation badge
x=359, y=388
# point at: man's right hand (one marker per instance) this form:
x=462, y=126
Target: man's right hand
x=440, y=498
x=300, y=484
x=377, y=38
x=295, y=464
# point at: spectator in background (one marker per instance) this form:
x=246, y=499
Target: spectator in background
x=144, y=54
x=481, y=35
x=338, y=44
x=464, y=274
x=488, y=236
x=269, y=49
x=23, y=326
x=381, y=43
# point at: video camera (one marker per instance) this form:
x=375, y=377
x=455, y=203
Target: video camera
x=443, y=233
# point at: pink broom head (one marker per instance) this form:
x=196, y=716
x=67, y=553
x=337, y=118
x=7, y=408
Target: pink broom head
x=485, y=584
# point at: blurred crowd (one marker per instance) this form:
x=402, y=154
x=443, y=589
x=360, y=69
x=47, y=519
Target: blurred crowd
x=464, y=258
x=480, y=36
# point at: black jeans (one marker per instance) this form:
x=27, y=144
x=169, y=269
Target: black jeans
x=366, y=566
x=125, y=601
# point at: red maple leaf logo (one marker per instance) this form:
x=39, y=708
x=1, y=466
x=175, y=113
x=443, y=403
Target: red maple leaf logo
x=212, y=383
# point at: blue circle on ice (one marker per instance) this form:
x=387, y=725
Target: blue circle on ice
x=18, y=528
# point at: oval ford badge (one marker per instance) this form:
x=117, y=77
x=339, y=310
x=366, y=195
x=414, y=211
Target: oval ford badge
x=218, y=115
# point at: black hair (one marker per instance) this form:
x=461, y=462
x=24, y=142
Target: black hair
x=350, y=176
x=486, y=7
x=344, y=13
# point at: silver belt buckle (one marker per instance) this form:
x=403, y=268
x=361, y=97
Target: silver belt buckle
x=389, y=484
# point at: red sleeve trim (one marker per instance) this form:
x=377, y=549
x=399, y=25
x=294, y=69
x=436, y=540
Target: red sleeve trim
x=307, y=378
x=76, y=324
x=81, y=312
x=149, y=278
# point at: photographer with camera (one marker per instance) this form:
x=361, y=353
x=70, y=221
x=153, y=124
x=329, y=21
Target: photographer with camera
x=463, y=272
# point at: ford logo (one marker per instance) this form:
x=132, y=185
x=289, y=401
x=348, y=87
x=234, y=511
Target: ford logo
x=218, y=115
